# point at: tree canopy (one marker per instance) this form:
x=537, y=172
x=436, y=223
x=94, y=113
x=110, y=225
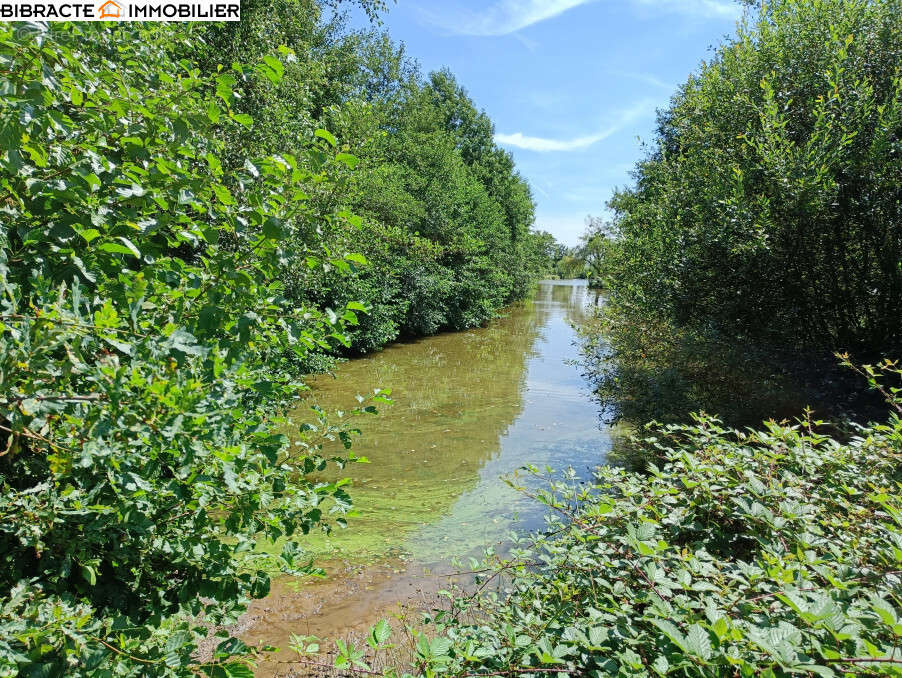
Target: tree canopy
x=769, y=203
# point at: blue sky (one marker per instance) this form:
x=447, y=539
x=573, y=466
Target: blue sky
x=572, y=85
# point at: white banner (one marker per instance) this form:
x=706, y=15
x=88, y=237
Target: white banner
x=120, y=10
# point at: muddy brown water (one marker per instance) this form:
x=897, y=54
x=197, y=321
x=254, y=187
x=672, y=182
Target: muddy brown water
x=469, y=408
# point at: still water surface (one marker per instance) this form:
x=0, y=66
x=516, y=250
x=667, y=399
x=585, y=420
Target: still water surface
x=470, y=407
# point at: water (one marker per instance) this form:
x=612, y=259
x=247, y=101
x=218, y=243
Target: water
x=470, y=407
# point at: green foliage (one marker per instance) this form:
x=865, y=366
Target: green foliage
x=146, y=350
x=444, y=217
x=645, y=369
x=768, y=206
x=590, y=259
x=178, y=248
x=761, y=553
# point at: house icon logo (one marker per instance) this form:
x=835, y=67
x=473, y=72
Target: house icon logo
x=110, y=10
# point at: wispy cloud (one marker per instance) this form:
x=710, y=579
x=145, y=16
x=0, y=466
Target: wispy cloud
x=647, y=78
x=540, y=190
x=710, y=9
x=504, y=17
x=546, y=145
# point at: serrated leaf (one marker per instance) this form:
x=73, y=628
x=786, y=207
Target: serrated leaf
x=223, y=194
x=380, y=633
x=671, y=632
x=350, y=161
x=698, y=642
x=439, y=647
x=224, y=85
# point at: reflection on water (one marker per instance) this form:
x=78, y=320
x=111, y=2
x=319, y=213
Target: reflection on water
x=469, y=408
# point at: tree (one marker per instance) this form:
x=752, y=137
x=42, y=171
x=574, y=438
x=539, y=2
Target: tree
x=770, y=205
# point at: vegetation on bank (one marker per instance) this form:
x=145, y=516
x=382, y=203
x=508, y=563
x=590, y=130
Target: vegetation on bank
x=178, y=248
x=440, y=212
x=762, y=232
x=587, y=260
x=768, y=206
x=772, y=552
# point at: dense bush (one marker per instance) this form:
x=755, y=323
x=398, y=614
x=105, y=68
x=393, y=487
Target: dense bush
x=146, y=351
x=769, y=205
x=774, y=552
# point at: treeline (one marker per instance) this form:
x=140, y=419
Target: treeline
x=764, y=227
x=192, y=217
x=590, y=258
x=441, y=213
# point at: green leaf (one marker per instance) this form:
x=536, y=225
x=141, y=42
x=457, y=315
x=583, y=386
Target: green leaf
x=88, y=234
x=242, y=118
x=273, y=229
x=380, y=634
x=223, y=194
x=273, y=69
x=237, y=670
x=350, y=161
x=131, y=246
x=325, y=134
x=116, y=248
x=439, y=647
x=89, y=574
x=224, y=85
x=356, y=258
x=671, y=632
x=661, y=665
x=698, y=642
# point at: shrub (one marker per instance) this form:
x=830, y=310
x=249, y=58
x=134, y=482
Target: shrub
x=146, y=352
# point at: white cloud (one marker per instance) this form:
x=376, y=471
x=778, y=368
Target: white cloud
x=535, y=186
x=505, y=16
x=509, y=16
x=647, y=78
x=545, y=145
